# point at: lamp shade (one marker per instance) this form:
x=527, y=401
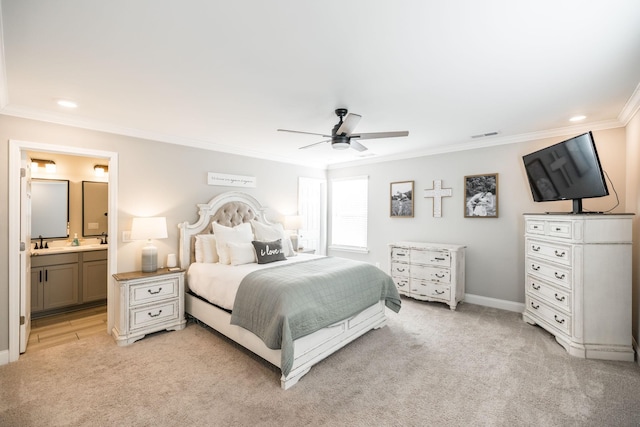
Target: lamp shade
x=149, y=228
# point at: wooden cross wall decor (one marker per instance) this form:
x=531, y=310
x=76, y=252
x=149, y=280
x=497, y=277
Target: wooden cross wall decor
x=437, y=193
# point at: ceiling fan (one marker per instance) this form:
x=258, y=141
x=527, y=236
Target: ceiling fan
x=342, y=136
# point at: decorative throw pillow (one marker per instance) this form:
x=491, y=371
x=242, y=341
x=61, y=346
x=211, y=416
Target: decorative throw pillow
x=206, y=248
x=267, y=252
x=224, y=235
x=241, y=253
x=268, y=233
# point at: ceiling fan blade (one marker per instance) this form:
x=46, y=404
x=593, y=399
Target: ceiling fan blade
x=381, y=135
x=357, y=146
x=315, y=143
x=306, y=133
x=349, y=124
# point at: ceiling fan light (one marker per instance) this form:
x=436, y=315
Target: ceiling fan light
x=340, y=145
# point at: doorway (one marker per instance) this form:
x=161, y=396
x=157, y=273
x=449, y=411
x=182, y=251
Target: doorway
x=18, y=249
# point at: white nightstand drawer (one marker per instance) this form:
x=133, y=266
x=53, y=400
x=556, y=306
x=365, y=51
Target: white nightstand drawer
x=431, y=257
x=550, y=250
x=154, y=291
x=541, y=289
x=535, y=227
x=560, y=229
x=159, y=313
x=400, y=254
x=421, y=272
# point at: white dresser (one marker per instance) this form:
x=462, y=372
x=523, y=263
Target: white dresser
x=429, y=271
x=578, y=282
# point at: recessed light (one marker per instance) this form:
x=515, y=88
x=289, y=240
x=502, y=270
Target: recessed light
x=577, y=118
x=67, y=104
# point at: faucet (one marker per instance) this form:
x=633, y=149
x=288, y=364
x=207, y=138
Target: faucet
x=45, y=246
x=105, y=235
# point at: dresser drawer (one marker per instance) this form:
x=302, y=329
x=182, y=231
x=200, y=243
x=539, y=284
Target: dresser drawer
x=555, y=274
x=429, y=289
x=421, y=272
x=399, y=269
x=156, y=290
x=153, y=314
x=400, y=254
x=402, y=283
x=535, y=227
x=431, y=257
x=550, y=250
x=561, y=229
x=554, y=318
x=542, y=290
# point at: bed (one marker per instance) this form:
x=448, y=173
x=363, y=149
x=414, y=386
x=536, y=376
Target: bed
x=237, y=299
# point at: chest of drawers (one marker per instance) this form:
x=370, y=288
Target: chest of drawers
x=578, y=282
x=428, y=271
x=148, y=302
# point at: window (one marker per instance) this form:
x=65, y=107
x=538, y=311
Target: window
x=349, y=198
x=312, y=206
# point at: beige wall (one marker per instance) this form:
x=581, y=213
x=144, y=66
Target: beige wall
x=633, y=202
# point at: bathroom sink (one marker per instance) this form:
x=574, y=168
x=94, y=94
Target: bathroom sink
x=68, y=248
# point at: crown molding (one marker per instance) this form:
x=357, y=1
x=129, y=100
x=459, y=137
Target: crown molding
x=631, y=107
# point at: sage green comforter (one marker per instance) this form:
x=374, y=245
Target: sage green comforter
x=284, y=303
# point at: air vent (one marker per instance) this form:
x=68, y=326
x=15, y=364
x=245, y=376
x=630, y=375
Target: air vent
x=484, y=135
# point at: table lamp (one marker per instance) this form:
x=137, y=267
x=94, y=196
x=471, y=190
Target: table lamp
x=147, y=229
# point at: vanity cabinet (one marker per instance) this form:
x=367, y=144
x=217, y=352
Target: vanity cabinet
x=429, y=271
x=578, y=282
x=54, y=281
x=67, y=280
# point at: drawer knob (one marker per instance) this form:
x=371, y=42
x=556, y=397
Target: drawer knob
x=155, y=315
x=156, y=292
x=535, y=307
x=536, y=287
x=535, y=248
x=559, y=276
x=561, y=321
x=560, y=298
x=560, y=254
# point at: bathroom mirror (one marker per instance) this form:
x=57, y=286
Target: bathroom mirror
x=49, y=208
x=95, y=208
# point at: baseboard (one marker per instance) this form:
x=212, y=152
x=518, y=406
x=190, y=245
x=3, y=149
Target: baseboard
x=4, y=357
x=518, y=307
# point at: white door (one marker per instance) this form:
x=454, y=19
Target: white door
x=25, y=257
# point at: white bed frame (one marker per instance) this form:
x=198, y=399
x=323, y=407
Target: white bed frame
x=308, y=350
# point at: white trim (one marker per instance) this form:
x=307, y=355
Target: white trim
x=355, y=249
x=15, y=149
x=517, y=307
x=4, y=357
x=631, y=107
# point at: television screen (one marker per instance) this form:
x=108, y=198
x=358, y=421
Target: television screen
x=568, y=170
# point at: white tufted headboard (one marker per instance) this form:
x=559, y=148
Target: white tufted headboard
x=228, y=209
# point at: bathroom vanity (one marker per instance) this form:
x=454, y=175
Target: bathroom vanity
x=67, y=278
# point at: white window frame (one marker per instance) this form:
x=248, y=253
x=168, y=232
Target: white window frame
x=349, y=216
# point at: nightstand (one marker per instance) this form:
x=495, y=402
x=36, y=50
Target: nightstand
x=146, y=303
x=306, y=251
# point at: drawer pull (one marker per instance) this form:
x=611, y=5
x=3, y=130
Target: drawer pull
x=535, y=227
x=439, y=275
x=155, y=315
x=438, y=292
x=400, y=270
x=560, y=254
x=401, y=284
x=535, y=306
x=535, y=267
x=154, y=293
x=439, y=259
x=536, y=287
x=558, y=229
x=401, y=254
x=535, y=248
x=560, y=298
x=559, y=276
x=561, y=321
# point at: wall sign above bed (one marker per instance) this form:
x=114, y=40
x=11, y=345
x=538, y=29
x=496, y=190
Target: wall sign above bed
x=223, y=179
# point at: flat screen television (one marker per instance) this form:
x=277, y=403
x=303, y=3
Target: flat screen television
x=568, y=170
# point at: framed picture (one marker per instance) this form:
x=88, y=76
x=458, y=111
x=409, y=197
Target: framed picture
x=402, y=199
x=481, y=196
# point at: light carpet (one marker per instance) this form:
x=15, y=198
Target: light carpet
x=476, y=366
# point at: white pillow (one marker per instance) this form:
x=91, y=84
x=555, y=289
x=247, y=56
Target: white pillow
x=268, y=233
x=224, y=235
x=206, y=250
x=241, y=253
